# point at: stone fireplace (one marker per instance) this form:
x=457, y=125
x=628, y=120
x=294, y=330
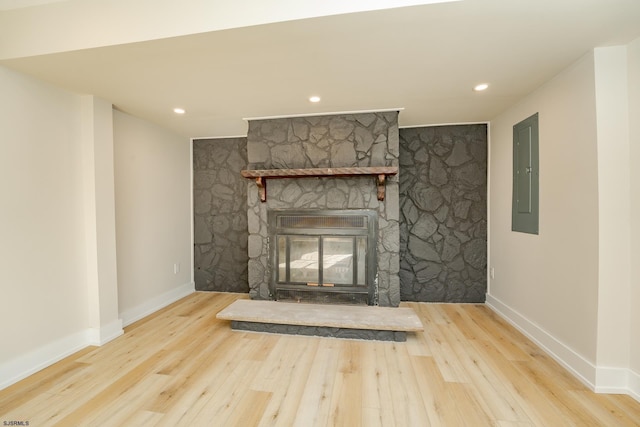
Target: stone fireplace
x=333, y=141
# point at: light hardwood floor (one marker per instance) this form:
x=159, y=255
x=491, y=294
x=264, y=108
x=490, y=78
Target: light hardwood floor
x=183, y=367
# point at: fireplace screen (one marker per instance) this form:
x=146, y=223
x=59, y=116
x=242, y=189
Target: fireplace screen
x=324, y=253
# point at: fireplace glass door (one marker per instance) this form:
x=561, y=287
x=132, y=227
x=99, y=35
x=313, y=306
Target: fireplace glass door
x=303, y=259
x=322, y=261
x=328, y=251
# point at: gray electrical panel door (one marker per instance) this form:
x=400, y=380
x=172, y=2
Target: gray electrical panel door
x=524, y=215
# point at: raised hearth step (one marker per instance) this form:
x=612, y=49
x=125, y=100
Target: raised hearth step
x=363, y=322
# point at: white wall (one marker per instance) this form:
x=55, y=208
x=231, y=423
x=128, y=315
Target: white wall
x=548, y=283
x=153, y=216
x=42, y=253
x=99, y=220
x=614, y=228
x=633, y=61
x=59, y=228
x=575, y=287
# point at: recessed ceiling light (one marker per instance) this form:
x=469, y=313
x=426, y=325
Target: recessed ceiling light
x=179, y=110
x=314, y=99
x=481, y=87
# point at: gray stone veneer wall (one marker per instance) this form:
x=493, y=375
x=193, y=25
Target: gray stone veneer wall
x=443, y=213
x=325, y=141
x=220, y=215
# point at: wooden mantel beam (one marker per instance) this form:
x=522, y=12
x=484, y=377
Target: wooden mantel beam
x=261, y=175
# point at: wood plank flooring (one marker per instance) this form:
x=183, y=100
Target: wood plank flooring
x=182, y=366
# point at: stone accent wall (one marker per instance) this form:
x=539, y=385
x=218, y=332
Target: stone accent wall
x=325, y=141
x=220, y=215
x=443, y=213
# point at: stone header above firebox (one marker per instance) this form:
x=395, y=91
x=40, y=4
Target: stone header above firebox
x=342, y=140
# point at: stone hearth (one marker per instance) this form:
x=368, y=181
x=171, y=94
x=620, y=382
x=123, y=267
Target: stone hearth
x=375, y=323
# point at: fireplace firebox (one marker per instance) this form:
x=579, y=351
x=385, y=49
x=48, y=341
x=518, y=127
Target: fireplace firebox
x=326, y=256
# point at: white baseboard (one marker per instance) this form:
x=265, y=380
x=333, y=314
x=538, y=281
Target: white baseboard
x=598, y=379
x=38, y=359
x=612, y=380
x=584, y=370
x=154, y=304
x=106, y=333
x=634, y=385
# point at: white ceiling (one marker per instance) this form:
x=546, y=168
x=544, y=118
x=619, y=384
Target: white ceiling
x=424, y=59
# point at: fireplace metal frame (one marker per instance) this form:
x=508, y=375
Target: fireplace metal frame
x=340, y=292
